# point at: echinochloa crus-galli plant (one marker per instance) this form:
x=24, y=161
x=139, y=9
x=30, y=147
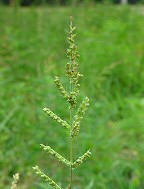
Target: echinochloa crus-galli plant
x=74, y=122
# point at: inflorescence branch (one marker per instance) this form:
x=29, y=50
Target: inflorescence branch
x=81, y=159
x=49, y=150
x=56, y=118
x=79, y=116
x=46, y=178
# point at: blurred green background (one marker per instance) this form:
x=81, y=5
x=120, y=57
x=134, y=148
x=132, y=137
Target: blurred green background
x=32, y=51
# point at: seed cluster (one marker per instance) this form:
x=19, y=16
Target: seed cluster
x=81, y=159
x=56, y=118
x=46, y=178
x=78, y=117
x=61, y=89
x=49, y=150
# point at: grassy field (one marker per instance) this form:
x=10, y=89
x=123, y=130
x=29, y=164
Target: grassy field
x=32, y=51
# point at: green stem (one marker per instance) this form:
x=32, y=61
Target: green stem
x=71, y=145
x=71, y=161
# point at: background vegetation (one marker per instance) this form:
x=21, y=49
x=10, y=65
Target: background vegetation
x=32, y=51
x=66, y=2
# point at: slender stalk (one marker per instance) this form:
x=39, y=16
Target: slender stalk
x=71, y=144
x=71, y=161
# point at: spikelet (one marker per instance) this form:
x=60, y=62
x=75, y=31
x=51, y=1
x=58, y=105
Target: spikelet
x=49, y=150
x=76, y=84
x=72, y=100
x=56, y=118
x=78, y=117
x=46, y=178
x=61, y=88
x=81, y=159
x=15, y=181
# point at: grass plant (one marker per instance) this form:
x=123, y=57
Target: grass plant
x=73, y=125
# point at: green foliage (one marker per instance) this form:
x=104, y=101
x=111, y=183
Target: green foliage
x=32, y=52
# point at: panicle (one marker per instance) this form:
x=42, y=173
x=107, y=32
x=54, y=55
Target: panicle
x=71, y=96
